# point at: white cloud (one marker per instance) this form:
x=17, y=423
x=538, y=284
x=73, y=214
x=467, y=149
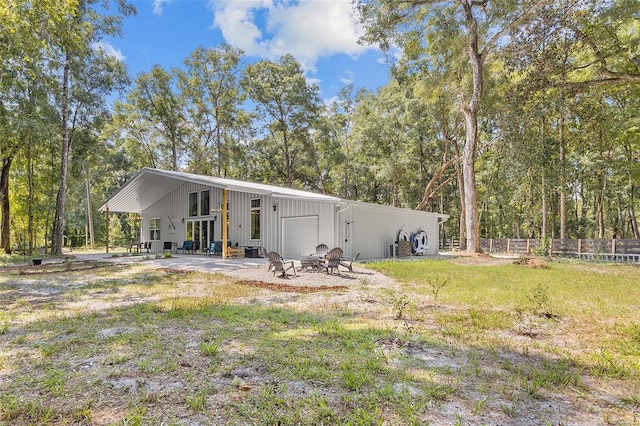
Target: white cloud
x=157, y=6
x=307, y=29
x=346, y=77
x=109, y=50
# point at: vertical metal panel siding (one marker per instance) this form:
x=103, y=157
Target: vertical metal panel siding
x=373, y=230
x=175, y=205
x=297, y=208
x=240, y=218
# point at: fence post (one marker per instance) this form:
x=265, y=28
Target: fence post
x=490, y=245
x=550, y=247
x=527, y=245
x=613, y=246
x=579, y=245
x=508, y=244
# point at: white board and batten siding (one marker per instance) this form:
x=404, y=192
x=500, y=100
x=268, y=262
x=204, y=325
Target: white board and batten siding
x=303, y=225
x=292, y=222
x=371, y=229
x=174, y=207
x=171, y=210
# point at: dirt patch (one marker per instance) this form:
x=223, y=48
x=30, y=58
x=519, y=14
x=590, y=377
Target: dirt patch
x=532, y=262
x=175, y=271
x=480, y=259
x=292, y=289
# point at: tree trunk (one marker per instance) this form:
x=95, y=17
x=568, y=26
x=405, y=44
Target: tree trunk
x=461, y=225
x=600, y=214
x=287, y=158
x=582, y=232
x=470, y=111
x=632, y=213
x=543, y=183
x=619, y=230
x=174, y=151
x=92, y=240
x=30, y=194
x=5, y=232
x=472, y=227
x=563, y=184
x=218, y=142
x=58, y=221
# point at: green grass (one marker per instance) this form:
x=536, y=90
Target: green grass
x=197, y=347
x=573, y=288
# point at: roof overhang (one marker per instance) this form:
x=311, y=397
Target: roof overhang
x=346, y=204
x=149, y=185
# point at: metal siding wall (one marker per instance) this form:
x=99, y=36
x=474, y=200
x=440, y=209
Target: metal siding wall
x=270, y=225
x=374, y=230
x=297, y=208
x=240, y=218
x=371, y=231
x=174, y=205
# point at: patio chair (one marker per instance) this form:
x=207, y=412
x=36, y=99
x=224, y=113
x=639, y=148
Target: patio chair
x=186, y=246
x=279, y=264
x=321, y=251
x=347, y=262
x=265, y=254
x=333, y=260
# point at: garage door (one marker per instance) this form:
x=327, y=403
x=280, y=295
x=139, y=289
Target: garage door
x=299, y=236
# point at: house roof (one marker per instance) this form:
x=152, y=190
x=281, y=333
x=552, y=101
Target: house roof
x=150, y=185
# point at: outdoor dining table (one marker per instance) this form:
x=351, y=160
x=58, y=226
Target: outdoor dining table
x=313, y=262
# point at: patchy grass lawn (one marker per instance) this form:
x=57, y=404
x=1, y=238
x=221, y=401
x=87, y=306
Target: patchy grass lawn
x=461, y=342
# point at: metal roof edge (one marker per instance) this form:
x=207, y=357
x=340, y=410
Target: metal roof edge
x=257, y=188
x=252, y=187
x=225, y=183
x=444, y=217
x=132, y=179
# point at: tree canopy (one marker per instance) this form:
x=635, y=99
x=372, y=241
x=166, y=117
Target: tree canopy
x=517, y=118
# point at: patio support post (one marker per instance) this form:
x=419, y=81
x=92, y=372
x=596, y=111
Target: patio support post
x=224, y=224
x=106, y=219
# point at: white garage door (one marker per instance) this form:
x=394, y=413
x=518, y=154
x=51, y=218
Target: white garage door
x=299, y=236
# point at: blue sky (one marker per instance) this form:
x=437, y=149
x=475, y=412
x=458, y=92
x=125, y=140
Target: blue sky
x=321, y=34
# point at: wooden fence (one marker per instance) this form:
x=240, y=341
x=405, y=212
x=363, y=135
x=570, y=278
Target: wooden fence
x=591, y=249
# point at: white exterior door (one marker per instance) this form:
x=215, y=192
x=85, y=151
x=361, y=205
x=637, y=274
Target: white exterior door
x=299, y=236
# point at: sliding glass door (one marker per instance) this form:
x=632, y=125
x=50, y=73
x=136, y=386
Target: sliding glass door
x=203, y=231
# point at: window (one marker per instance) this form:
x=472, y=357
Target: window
x=193, y=204
x=154, y=229
x=255, y=219
x=204, y=203
x=189, y=230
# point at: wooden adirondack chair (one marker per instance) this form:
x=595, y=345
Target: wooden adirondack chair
x=347, y=262
x=279, y=264
x=321, y=251
x=333, y=260
x=265, y=254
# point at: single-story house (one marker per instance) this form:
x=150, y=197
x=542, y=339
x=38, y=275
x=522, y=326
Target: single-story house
x=176, y=206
